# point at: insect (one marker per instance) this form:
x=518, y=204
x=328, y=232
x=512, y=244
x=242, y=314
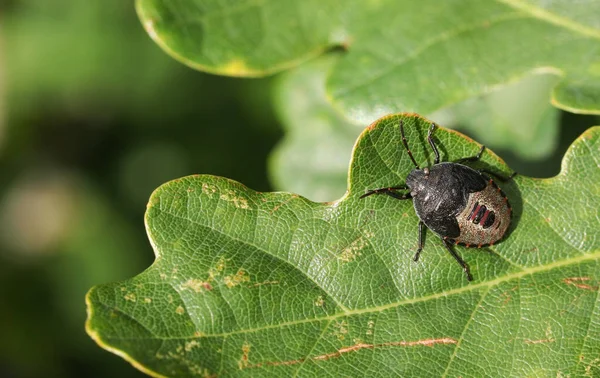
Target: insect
x=461, y=205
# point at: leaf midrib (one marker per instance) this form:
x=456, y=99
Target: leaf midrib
x=544, y=15
x=426, y=45
x=465, y=328
x=595, y=255
x=527, y=12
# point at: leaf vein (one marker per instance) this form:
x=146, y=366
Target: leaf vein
x=594, y=256
x=587, y=332
x=442, y=37
x=561, y=237
x=592, y=154
x=307, y=357
x=339, y=304
x=514, y=344
x=461, y=338
x=544, y=15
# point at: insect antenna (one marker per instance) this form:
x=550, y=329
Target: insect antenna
x=432, y=144
x=405, y=143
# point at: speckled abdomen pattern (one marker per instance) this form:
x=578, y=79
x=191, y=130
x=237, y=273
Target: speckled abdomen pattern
x=486, y=217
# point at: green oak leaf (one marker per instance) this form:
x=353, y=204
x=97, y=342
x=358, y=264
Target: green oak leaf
x=416, y=56
x=311, y=159
x=272, y=284
x=516, y=117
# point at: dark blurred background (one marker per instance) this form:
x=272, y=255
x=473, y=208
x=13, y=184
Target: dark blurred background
x=94, y=117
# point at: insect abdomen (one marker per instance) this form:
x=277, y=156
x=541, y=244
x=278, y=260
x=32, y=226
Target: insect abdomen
x=482, y=215
x=486, y=217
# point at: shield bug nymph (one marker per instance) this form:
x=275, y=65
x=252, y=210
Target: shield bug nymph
x=461, y=205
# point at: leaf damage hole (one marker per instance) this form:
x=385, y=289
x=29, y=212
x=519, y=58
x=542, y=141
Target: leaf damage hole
x=357, y=347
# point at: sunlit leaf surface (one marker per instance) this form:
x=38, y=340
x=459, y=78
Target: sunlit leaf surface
x=271, y=284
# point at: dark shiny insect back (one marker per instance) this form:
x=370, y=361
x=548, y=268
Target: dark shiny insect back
x=461, y=205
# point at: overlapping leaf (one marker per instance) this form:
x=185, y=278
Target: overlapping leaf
x=415, y=56
x=271, y=284
x=311, y=159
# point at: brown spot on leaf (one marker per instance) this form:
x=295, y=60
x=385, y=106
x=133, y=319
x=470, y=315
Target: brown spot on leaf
x=130, y=297
x=351, y=252
x=540, y=341
x=239, y=202
x=208, y=189
x=370, y=326
x=243, y=362
x=548, y=339
x=357, y=347
x=191, y=345
x=218, y=268
x=265, y=283
x=197, y=285
x=278, y=206
x=507, y=296
x=595, y=363
x=320, y=301
x=578, y=283
x=340, y=330
x=235, y=279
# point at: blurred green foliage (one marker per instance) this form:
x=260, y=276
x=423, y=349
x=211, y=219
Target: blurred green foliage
x=97, y=117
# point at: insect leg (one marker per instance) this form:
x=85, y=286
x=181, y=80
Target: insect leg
x=499, y=176
x=472, y=158
x=433, y=147
x=421, y=235
x=460, y=261
x=405, y=143
x=391, y=191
